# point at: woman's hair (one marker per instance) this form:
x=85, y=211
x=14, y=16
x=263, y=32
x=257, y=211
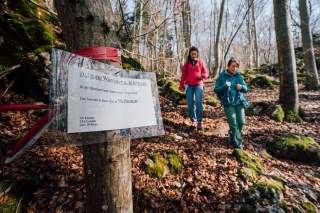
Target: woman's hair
x=233, y=60
x=192, y=49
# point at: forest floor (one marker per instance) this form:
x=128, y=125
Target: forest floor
x=210, y=180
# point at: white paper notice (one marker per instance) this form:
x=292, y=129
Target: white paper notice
x=98, y=101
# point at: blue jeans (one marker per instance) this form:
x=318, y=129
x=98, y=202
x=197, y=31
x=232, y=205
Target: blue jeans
x=195, y=93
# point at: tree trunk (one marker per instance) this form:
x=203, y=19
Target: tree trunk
x=217, y=42
x=210, y=37
x=140, y=29
x=286, y=57
x=249, y=47
x=309, y=58
x=186, y=23
x=254, y=31
x=107, y=166
x=176, y=32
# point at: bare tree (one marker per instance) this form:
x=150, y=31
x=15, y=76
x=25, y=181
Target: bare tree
x=186, y=22
x=286, y=57
x=309, y=57
x=217, y=41
x=249, y=35
x=254, y=32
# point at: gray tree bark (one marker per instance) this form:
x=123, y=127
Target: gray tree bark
x=307, y=43
x=107, y=166
x=249, y=48
x=286, y=57
x=217, y=41
x=254, y=31
x=186, y=23
x=210, y=37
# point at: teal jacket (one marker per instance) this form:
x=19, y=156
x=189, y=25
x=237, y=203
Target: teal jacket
x=230, y=95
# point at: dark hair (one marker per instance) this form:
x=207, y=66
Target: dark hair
x=233, y=60
x=193, y=48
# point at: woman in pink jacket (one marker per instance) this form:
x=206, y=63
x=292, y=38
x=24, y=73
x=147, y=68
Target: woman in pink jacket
x=194, y=72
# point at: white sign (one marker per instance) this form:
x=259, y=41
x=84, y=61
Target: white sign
x=98, y=101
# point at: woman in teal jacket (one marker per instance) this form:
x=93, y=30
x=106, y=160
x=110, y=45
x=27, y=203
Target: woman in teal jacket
x=230, y=87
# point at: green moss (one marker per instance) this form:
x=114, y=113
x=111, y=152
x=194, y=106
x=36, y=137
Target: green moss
x=264, y=196
x=284, y=206
x=157, y=167
x=24, y=8
x=262, y=82
x=10, y=205
x=300, y=142
x=170, y=90
x=278, y=114
x=45, y=48
x=131, y=64
x=174, y=162
x=293, y=147
x=292, y=117
x=248, y=174
x=309, y=207
x=210, y=100
x=265, y=186
x=248, y=75
x=249, y=160
x=33, y=31
x=162, y=82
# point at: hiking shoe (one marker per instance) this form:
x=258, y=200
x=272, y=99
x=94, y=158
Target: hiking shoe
x=199, y=126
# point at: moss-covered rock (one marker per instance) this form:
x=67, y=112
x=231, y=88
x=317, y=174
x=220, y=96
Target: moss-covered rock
x=264, y=196
x=156, y=165
x=174, y=162
x=260, y=108
x=263, y=82
x=292, y=117
x=265, y=186
x=248, y=174
x=274, y=111
x=249, y=160
x=25, y=28
x=269, y=69
x=278, y=114
x=297, y=148
x=131, y=64
x=211, y=101
x=159, y=165
x=170, y=90
x=309, y=207
x=248, y=76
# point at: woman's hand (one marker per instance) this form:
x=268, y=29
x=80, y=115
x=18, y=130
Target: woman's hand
x=182, y=89
x=199, y=77
x=239, y=87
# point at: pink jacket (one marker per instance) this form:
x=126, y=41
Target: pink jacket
x=189, y=74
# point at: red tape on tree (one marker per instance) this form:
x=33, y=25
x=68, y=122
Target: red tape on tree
x=101, y=53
